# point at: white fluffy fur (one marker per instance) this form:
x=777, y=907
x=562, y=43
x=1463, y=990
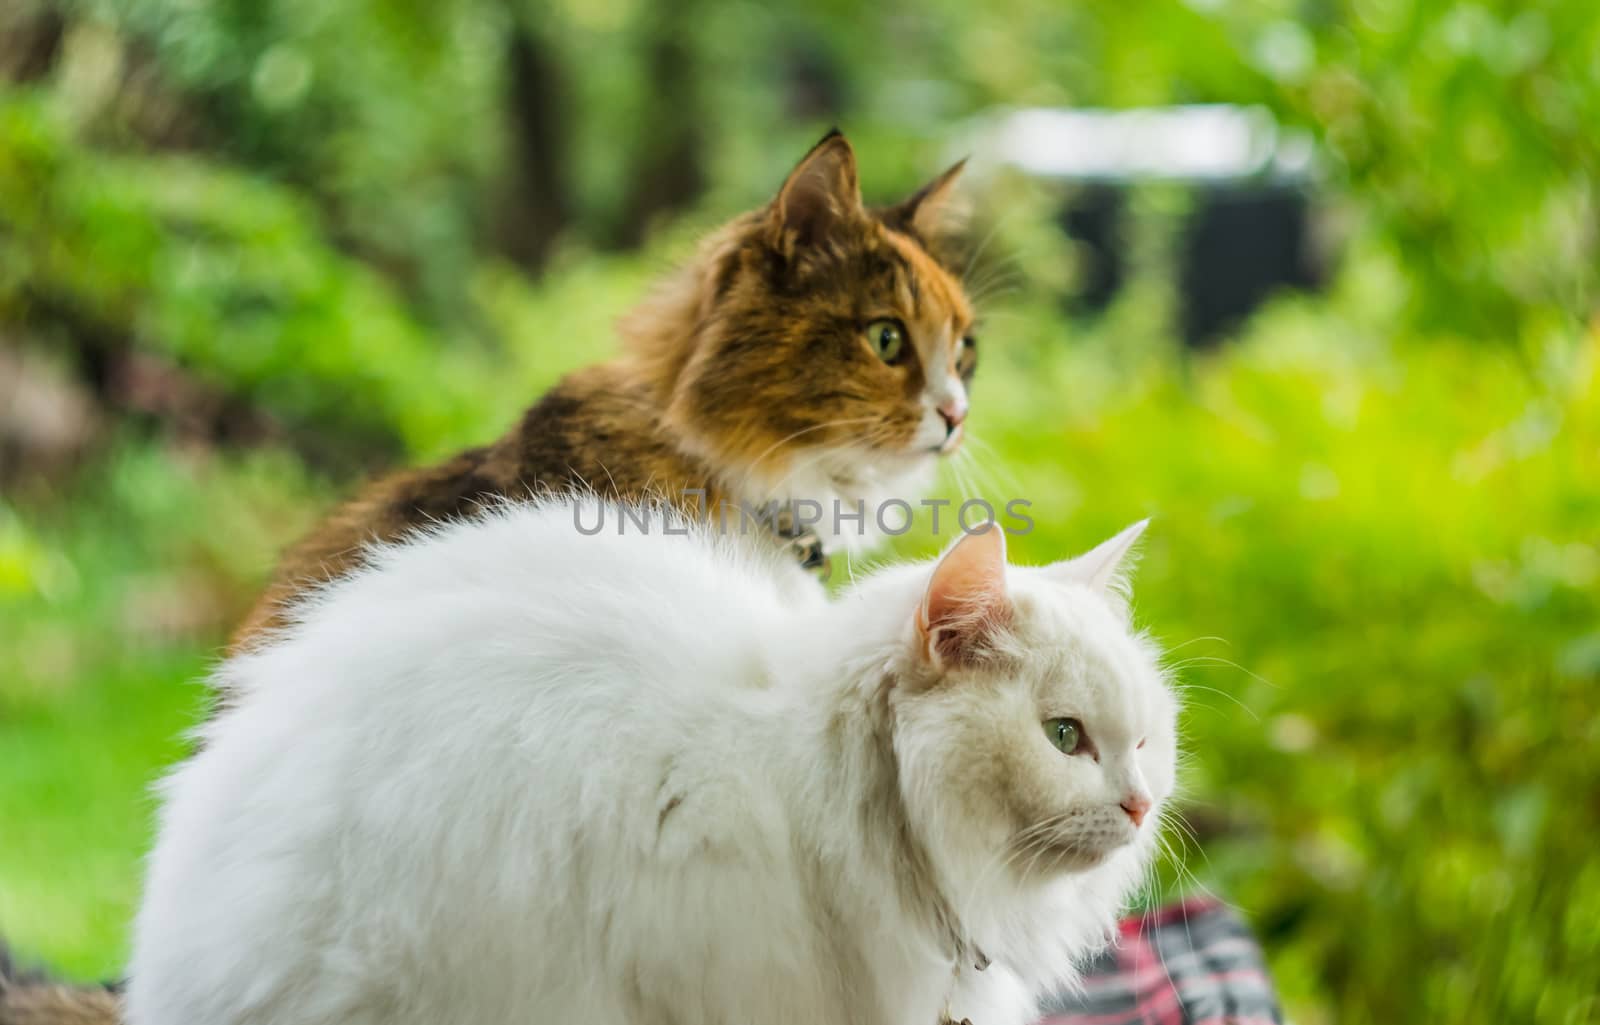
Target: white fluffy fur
x=511, y=774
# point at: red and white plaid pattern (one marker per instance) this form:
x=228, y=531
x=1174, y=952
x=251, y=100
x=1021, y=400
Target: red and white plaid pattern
x=1193, y=963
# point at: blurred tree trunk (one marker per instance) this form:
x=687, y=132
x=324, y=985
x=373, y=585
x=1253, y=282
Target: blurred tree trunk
x=30, y=41
x=668, y=171
x=537, y=203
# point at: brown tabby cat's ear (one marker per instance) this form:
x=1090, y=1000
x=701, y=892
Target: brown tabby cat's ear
x=933, y=212
x=966, y=600
x=821, y=193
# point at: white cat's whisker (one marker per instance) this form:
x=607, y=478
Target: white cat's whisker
x=1183, y=869
x=1191, y=838
x=1179, y=856
x=1194, y=640
x=1227, y=663
x=1185, y=688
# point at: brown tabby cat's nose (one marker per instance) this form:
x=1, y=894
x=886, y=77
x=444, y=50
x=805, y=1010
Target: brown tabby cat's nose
x=1137, y=806
x=954, y=411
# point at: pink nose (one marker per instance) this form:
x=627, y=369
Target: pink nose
x=1137, y=806
x=954, y=411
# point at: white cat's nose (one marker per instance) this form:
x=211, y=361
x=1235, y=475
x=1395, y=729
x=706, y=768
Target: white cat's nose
x=1137, y=806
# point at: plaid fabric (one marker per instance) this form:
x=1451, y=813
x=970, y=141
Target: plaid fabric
x=1193, y=963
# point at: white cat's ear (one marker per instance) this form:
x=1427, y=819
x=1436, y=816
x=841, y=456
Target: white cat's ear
x=820, y=193
x=1105, y=566
x=966, y=599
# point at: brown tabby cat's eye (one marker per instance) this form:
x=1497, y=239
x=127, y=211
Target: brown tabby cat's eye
x=888, y=340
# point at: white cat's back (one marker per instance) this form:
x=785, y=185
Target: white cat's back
x=491, y=739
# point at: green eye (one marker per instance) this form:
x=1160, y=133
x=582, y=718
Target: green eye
x=1065, y=734
x=887, y=338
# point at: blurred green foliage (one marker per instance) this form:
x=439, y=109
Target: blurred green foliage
x=281, y=243
x=215, y=271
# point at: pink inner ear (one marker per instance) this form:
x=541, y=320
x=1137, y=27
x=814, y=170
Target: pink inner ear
x=966, y=597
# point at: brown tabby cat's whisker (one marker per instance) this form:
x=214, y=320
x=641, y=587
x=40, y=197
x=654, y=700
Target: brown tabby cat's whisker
x=999, y=289
x=755, y=463
x=804, y=462
x=962, y=490
x=983, y=244
x=1006, y=275
x=969, y=468
x=967, y=471
x=995, y=465
x=877, y=434
x=1001, y=293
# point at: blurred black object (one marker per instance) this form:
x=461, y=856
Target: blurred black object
x=1093, y=218
x=1247, y=233
x=1241, y=244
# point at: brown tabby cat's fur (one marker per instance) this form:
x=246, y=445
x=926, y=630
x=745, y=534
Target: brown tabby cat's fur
x=747, y=365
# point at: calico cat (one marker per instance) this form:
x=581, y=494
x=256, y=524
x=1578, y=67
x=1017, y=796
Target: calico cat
x=813, y=349
x=508, y=774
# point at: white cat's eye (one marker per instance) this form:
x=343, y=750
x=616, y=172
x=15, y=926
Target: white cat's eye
x=887, y=338
x=1065, y=734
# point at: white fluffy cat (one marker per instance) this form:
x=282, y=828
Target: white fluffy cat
x=512, y=774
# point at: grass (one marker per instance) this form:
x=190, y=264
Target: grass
x=1374, y=562
x=77, y=771
x=113, y=598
